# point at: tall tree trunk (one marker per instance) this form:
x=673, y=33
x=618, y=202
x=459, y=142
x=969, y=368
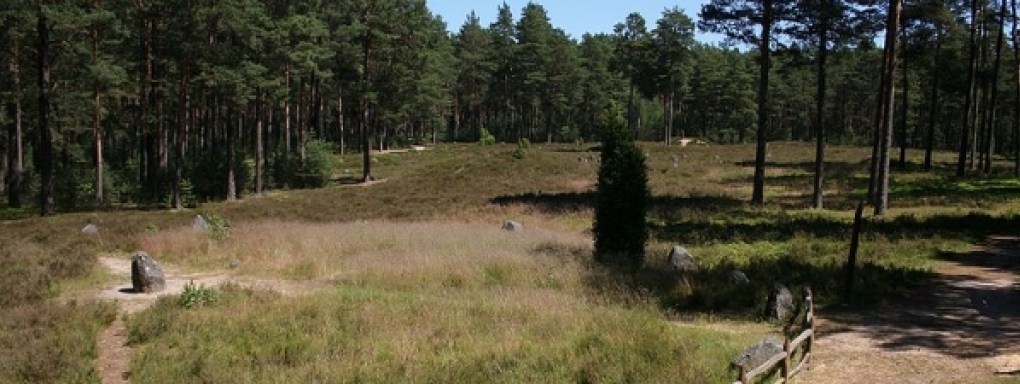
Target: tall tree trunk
x=671, y=112
x=366, y=78
x=340, y=123
x=905, y=111
x=97, y=127
x=961, y=165
x=929, y=139
x=993, y=104
x=1016, y=89
x=765, y=49
x=259, y=111
x=823, y=53
x=232, y=156
x=888, y=73
x=286, y=111
x=182, y=111
x=44, y=153
x=16, y=156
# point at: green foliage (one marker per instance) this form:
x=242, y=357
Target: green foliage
x=524, y=144
x=208, y=175
x=622, y=200
x=219, y=227
x=486, y=138
x=196, y=296
x=288, y=171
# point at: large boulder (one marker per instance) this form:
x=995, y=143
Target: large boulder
x=200, y=224
x=146, y=275
x=738, y=278
x=756, y=355
x=780, y=304
x=513, y=226
x=90, y=229
x=681, y=260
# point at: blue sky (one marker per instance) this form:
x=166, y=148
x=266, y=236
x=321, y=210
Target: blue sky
x=573, y=16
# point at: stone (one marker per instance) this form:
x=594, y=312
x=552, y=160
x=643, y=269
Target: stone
x=513, y=226
x=738, y=278
x=199, y=223
x=146, y=275
x=681, y=260
x=780, y=304
x=90, y=229
x=756, y=355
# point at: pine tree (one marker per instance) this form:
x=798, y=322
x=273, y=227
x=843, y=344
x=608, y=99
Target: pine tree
x=622, y=196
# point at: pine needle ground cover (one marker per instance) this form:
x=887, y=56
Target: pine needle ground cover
x=422, y=285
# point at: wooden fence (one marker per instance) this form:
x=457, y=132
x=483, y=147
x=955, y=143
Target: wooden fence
x=782, y=360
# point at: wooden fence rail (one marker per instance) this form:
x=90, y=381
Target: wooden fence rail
x=803, y=341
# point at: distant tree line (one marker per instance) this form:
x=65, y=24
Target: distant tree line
x=168, y=102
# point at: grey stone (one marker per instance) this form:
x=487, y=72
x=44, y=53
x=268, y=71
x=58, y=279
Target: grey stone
x=513, y=226
x=681, y=260
x=738, y=278
x=780, y=304
x=146, y=275
x=756, y=355
x=90, y=229
x=199, y=223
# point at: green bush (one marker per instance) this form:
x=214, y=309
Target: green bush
x=196, y=296
x=622, y=199
x=486, y=138
x=288, y=171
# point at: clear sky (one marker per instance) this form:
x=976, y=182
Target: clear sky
x=573, y=16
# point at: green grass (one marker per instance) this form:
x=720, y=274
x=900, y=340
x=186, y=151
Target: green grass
x=422, y=286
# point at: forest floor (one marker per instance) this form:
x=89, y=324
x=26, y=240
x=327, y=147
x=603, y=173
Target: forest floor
x=114, y=362
x=964, y=328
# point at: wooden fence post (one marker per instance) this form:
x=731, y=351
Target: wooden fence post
x=786, y=360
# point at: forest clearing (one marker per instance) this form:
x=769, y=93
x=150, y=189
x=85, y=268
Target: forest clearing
x=359, y=191
x=415, y=280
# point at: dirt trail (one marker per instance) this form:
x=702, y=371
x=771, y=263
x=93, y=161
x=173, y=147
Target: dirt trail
x=964, y=329
x=114, y=354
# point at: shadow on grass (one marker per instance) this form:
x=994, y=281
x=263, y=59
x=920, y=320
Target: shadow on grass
x=709, y=289
x=580, y=201
x=973, y=227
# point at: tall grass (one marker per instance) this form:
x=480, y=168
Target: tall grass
x=417, y=302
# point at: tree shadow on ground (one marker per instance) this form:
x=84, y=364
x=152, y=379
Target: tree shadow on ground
x=710, y=290
x=972, y=227
x=971, y=311
x=558, y=203
x=721, y=219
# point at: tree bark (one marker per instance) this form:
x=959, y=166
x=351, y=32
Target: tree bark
x=231, y=156
x=823, y=53
x=758, y=193
x=259, y=111
x=366, y=78
x=929, y=139
x=1016, y=89
x=993, y=103
x=97, y=126
x=182, y=111
x=888, y=73
x=16, y=156
x=44, y=153
x=961, y=165
x=905, y=113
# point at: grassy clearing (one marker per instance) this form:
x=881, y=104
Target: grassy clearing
x=425, y=287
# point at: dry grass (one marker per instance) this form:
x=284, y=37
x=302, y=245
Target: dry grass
x=416, y=302
x=423, y=253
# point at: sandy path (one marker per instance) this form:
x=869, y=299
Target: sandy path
x=114, y=360
x=964, y=329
